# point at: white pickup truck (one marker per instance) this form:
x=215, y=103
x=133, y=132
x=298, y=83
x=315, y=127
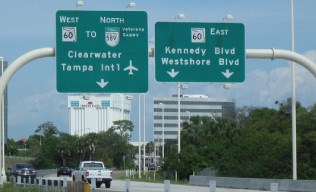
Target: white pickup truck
x=88, y=170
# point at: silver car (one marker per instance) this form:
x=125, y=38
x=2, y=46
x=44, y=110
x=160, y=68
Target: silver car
x=24, y=170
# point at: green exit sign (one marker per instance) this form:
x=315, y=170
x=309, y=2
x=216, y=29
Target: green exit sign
x=199, y=52
x=102, y=51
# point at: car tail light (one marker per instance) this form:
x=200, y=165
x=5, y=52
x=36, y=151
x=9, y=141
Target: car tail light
x=111, y=174
x=87, y=173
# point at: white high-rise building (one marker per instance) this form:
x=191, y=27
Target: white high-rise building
x=166, y=112
x=96, y=112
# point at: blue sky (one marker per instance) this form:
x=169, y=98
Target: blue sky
x=29, y=25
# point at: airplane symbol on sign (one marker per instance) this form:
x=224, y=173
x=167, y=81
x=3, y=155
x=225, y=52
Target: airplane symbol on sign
x=130, y=68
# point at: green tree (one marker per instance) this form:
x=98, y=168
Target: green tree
x=170, y=161
x=80, y=149
x=203, y=142
x=150, y=147
x=91, y=141
x=48, y=156
x=43, y=146
x=35, y=145
x=259, y=154
x=66, y=148
x=112, y=147
x=47, y=129
x=11, y=148
x=269, y=119
x=123, y=127
x=307, y=156
x=256, y=144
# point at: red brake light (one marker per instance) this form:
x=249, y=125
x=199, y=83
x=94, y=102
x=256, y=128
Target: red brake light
x=111, y=174
x=87, y=173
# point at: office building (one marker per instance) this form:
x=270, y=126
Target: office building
x=166, y=110
x=96, y=113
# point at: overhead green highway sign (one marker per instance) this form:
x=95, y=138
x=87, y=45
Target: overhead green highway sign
x=102, y=51
x=199, y=52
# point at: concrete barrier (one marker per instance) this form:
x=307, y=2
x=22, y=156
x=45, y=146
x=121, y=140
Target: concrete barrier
x=212, y=186
x=274, y=187
x=255, y=184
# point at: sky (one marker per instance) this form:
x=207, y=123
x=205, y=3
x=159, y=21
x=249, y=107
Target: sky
x=32, y=94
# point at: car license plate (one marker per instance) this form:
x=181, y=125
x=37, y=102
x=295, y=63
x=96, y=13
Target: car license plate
x=99, y=179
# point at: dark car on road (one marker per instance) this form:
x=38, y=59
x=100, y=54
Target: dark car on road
x=152, y=167
x=64, y=171
x=24, y=170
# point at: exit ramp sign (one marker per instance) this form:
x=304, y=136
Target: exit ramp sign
x=102, y=51
x=199, y=52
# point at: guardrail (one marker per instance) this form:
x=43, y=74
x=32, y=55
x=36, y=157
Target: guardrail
x=50, y=185
x=256, y=183
x=43, y=184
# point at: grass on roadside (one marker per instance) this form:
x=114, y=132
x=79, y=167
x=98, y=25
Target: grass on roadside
x=151, y=176
x=8, y=187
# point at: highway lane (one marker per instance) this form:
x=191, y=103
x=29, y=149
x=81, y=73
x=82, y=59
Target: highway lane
x=120, y=186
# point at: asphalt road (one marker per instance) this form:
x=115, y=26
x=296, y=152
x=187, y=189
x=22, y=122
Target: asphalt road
x=120, y=186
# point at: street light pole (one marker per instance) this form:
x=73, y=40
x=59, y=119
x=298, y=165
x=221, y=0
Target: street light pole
x=131, y=5
x=4, y=177
x=79, y=4
x=163, y=129
x=122, y=104
x=144, y=126
x=180, y=16
x=293, y=98
x=179, y=126
x=139, y=136
x=180, y=86
x=189, y=116
x=2, y=173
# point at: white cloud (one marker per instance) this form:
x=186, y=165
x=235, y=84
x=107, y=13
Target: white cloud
x=264, y=87
x=311, y=55
x=28, y=113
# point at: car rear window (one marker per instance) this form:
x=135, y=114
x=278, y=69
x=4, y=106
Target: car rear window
x=92, y=165
x=21, y=166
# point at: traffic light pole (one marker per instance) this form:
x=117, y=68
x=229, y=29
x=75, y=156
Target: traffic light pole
x=282, y=54
x=6, y=76
x=295, y=58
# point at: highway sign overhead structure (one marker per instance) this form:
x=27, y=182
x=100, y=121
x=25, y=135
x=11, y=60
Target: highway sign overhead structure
x=102, y=51
x=199, y=52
